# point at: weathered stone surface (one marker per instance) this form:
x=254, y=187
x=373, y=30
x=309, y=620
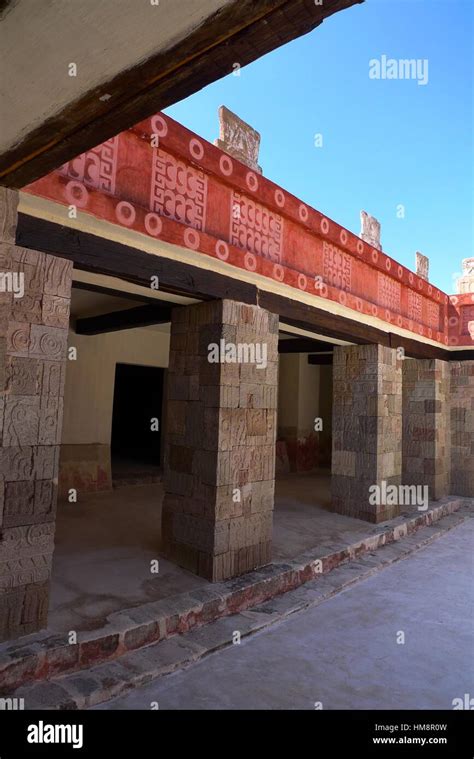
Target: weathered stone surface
x=29, y=502
x=462, y=427
x=47, y=342
x=21, y=422
x=426, y=438
x=26, y=541
x=52, y=375
x=18, y=338
x=370, y=230
x=8, y=214
x=55, y=311
x=21, y=376
x=220, y=449
x=27, y=308
x=31, y=263
x=238, y=139
x=33, y=343
x=367, y=417
x=50, y=420
x=422, y=266
x=45, y=462
x=19, y=572
x=58, y=278
x=465, y=283
x=23, y=610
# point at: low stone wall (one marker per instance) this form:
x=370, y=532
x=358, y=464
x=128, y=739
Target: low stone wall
x=86, y=468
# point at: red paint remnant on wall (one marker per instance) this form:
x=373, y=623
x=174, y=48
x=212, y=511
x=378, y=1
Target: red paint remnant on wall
x=189, y=193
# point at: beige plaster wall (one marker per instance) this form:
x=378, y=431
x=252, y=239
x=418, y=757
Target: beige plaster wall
x=89, y=393
x=85, y=460
x=302, y=396
x=308, y=394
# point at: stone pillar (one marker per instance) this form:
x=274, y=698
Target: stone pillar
x=367, y=430
x=426, y=439
x=34, y=316
x=462, y=428
x=220, y=438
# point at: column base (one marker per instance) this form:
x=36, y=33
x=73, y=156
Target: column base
x=24, y=610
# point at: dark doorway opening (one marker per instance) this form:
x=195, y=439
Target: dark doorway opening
x=135, y=446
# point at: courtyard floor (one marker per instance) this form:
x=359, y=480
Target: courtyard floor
x=106, y=542
x=347, y=653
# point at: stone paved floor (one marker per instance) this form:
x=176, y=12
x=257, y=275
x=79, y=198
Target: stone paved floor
x=106, y=542
x=344, y=652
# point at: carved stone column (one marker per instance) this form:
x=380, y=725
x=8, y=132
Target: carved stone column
x=220, y=439
x=367, y=430
x=462, y=428
x=34, y=318
x=426, y=443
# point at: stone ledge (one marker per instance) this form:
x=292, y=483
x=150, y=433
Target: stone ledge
x=43, y=656
x=109, y=680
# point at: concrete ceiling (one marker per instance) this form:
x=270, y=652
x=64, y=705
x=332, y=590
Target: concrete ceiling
x=133, y=59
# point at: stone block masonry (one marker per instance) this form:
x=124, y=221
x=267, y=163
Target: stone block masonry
x=219, y=464
x=33, y=345
x=367, y=429
x=426, y=435
x=462, y=428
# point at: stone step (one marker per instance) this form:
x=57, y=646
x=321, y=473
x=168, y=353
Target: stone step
x=100, y=683
x=47, y=657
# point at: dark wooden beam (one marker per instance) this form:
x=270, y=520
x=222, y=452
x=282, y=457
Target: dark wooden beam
x=102, y=256
x=241, y=31
x=112, y=292
x=320, y=359
x=303, y=345
x=129, y=318
x=301, y=315
x=467, y=355
x=416, y=349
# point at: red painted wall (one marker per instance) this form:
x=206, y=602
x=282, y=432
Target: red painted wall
x=189, y=193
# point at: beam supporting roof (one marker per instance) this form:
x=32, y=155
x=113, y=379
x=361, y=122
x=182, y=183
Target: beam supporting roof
x=103, y=256
x=129, y=318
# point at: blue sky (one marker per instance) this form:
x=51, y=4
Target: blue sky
x=386, y=142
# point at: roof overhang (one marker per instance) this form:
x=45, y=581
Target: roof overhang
x=131, y=59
